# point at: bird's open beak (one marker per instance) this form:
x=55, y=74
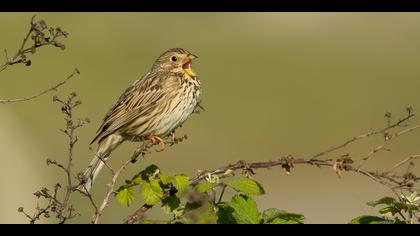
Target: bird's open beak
x=187, y=64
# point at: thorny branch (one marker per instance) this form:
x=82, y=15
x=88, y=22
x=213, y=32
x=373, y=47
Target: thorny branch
x=405, y=181
x=389, y=178
x=111, y=187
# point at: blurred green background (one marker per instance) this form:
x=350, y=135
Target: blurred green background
x=274, y=84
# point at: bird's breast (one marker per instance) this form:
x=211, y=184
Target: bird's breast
x=177, y=105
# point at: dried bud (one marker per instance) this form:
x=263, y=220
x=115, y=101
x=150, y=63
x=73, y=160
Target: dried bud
x=42, y=24
x=44, y=190
x=87, y=120
x=73, y=94
x=46, y=215
x=20, y=209
x=387, y=136
x=37, y=194
x=53, y=209
x=28, y=63
x=78, y=102
x=388, y=114
x=55, y=98
x=409, y=109
x=60, y=45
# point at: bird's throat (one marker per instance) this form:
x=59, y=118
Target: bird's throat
x=187, y=69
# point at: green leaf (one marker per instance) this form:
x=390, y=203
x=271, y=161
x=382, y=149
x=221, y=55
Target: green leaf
x=207, y=216
x=401, y=206
x=285, y=221
x=136, y=180
x=151, y=192
x=388, y=211
x=190, y=206
x=180, y=182
x=125, y=195
x=224, y=214
x=245, y=210
x=270, y=214
x=276, y=216
x=245, y=185
x=366, y=219
x=149, y=172
x=203, y=214
x=170, y=204
x=386, y=201
x=166, y=179
x=204, y=187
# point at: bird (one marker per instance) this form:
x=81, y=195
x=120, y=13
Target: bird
x=150, y=109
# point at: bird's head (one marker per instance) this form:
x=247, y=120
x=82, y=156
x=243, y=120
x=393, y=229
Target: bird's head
x=176, y=60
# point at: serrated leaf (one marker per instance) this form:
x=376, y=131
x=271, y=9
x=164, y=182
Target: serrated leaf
x=224, y=214
x=151, y=192
x=245, y=185
x=125, y=195
x=270, y=214
x=136, y=180
x=366, y=219
x=276, y=216
x=166, y=179
x=204, y=187
x=245, y=210
x=385, y=200
x=170, y=204
x=148, y=173
x=180, y=182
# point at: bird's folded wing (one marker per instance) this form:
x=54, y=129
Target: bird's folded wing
x=138, y=100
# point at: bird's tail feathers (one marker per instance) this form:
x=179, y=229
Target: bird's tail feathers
x=106, y=146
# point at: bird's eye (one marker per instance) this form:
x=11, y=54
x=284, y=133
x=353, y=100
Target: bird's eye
x=174, y=58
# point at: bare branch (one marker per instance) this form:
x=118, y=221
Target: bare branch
x=53, y=88
x=41, y=36
x=61, y=207
x=403, y=162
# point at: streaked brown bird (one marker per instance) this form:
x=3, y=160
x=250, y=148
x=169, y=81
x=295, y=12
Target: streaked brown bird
x=150, y=109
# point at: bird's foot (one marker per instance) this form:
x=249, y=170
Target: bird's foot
x=156, y=139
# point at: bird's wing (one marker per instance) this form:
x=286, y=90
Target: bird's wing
x=140, y=98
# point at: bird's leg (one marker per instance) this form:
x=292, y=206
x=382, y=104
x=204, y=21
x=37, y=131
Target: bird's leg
x=154, y=139
x=173, y=138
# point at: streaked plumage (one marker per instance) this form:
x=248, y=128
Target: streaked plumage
x=154, y=105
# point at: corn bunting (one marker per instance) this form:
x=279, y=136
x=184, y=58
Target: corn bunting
x=151, y=108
